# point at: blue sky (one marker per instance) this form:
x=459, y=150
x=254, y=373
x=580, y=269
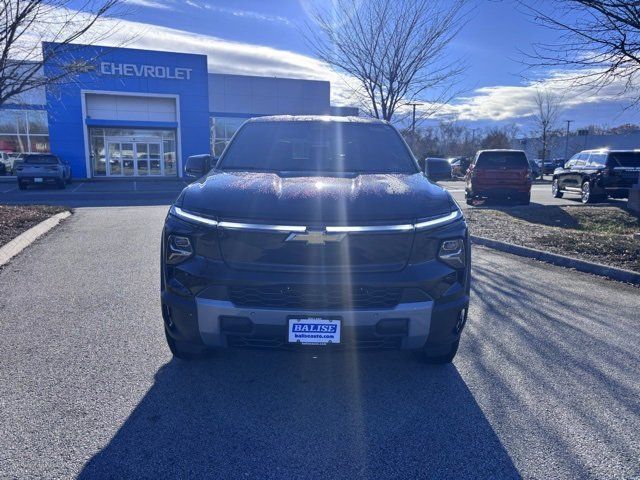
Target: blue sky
x=261, y=37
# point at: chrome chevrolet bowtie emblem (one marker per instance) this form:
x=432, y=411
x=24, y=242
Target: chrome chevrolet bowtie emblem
x=315, y=237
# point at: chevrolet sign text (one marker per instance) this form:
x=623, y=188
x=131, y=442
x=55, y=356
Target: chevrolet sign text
x=149, y=71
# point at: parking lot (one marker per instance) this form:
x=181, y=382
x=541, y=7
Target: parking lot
x=540, y=195
x=82, y=193
x=122, y=193
x=545, y=384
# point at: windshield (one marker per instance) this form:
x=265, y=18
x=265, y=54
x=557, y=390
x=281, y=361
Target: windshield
x=624, y=159
x=41, y=159
x=502, y=160
x=318, y=147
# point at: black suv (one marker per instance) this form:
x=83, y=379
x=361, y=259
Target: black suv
x=597, y=174
x=315, y=231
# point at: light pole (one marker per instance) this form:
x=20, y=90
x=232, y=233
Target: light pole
x=566, y=141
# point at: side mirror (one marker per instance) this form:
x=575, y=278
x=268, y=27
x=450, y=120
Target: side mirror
x=433, y=169
x=198, y=165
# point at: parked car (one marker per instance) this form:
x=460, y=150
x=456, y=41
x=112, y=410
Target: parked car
x=499, y=174
x=6, y=163
x=436, y=168
x=597, y=174
x=536, y=171
x=314, y=230
x=42, y=168
x=459, y=167
x=548, y=166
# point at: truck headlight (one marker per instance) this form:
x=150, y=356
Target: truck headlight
x=178, y=249
x=452, y=252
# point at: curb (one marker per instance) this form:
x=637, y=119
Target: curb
x=22, y=241
x=612, y=273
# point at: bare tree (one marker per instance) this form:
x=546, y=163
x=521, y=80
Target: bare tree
x=547, y=109
x=599, y=41
x=24, y=24
x=393, y=49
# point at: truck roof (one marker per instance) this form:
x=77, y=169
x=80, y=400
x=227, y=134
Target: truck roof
x=316, y=118
x=608, y=150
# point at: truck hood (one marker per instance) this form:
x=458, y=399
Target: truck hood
x=262, y=197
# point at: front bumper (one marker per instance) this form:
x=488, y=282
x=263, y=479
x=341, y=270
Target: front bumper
x=220, y=323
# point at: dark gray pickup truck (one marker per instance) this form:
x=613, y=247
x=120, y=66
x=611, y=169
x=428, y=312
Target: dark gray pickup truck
x=314, y=232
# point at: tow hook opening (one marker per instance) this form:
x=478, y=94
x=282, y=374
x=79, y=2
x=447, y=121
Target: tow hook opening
x=462, y=319
x=167, y=316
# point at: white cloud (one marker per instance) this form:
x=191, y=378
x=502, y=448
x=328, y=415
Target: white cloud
x=249, y=14
x=162, y=5
x=508, y=103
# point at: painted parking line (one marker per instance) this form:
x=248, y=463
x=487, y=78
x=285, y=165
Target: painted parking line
x=77, y=188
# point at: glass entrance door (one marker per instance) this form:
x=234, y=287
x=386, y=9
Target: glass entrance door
x=139, y=159
x=148, y=155
x=114, y=159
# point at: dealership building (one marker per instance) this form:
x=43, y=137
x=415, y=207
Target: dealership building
x=140, y=113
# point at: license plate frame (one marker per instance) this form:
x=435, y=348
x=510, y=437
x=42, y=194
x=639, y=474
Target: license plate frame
x=314, y=330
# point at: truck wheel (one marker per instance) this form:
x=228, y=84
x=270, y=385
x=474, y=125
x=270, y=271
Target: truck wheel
x=555, y=189
x=469, y=199
x=184, y=350
x=585, y=195
x=22, y=185
x=442, y=359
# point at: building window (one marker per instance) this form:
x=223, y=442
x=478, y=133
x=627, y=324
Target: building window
x=132, y=152
x=24, y=131
x=222, y=129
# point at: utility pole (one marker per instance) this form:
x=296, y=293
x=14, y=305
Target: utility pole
x=413, y=121
x=566, y=141
x=413, y=124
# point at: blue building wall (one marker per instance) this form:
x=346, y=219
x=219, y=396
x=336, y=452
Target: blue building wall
x=64, y=102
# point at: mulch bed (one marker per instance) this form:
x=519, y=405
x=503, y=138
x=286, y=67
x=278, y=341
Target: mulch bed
x=601, y=234
x=17, y=219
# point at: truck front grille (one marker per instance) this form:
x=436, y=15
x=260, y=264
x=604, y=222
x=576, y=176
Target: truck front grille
x=314, y=297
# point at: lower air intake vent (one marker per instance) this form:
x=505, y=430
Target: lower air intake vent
x=315, y=297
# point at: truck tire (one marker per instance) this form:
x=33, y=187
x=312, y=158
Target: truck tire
x=22, y=185
x=184, y=350
x=555, y=189
x=442, y=359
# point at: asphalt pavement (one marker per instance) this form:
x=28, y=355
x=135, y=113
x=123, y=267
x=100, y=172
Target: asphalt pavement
x=546, y=383
x=540, y=195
